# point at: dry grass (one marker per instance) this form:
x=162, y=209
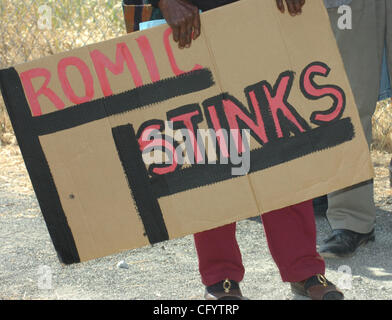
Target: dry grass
x=6, y=132
x=13, y=173
x=382, y=126
x=75, y=23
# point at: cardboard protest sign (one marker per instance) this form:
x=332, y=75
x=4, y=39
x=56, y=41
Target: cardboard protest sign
x=87, y=120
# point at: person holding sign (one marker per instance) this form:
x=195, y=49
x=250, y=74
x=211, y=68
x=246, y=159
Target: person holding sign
x=290, y=232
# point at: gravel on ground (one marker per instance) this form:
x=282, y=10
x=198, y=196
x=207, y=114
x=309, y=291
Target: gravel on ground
x=29, y=267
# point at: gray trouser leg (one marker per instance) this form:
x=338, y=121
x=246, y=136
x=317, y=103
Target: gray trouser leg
x=388, y=35
x=361, y=49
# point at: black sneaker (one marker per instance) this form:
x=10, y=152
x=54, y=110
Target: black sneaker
x=344, y=243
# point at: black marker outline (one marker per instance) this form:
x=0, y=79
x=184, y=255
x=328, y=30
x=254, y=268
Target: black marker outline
x=28, y=129
x=145, y=191
x=137, y=98
x=37, y=166
x=195, y=120
x=319, y=87
x=282, y=119
x=139, y=183
x=163, y=136
x=271, y=154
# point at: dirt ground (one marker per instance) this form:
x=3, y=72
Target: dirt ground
x=29, y=268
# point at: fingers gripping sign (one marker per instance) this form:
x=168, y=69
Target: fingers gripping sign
x=294, y=6
x=183, y=17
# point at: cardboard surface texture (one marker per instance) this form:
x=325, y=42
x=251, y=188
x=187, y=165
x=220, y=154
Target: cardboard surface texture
x=79, y=118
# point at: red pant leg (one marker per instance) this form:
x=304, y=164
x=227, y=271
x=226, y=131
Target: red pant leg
x=219, y=255
x=291, y=236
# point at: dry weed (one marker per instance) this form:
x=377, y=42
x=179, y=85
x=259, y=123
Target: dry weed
x=74, y=23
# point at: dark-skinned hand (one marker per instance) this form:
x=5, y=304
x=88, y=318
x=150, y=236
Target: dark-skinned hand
x=183, y=17
x=294, y=6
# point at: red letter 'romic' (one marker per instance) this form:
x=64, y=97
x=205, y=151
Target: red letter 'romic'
x=102, y=62
x=86, y=76
x=176, y=70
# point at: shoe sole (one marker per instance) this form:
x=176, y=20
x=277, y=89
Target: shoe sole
x=327, y=296
x=329, y=255
x=300, y=292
